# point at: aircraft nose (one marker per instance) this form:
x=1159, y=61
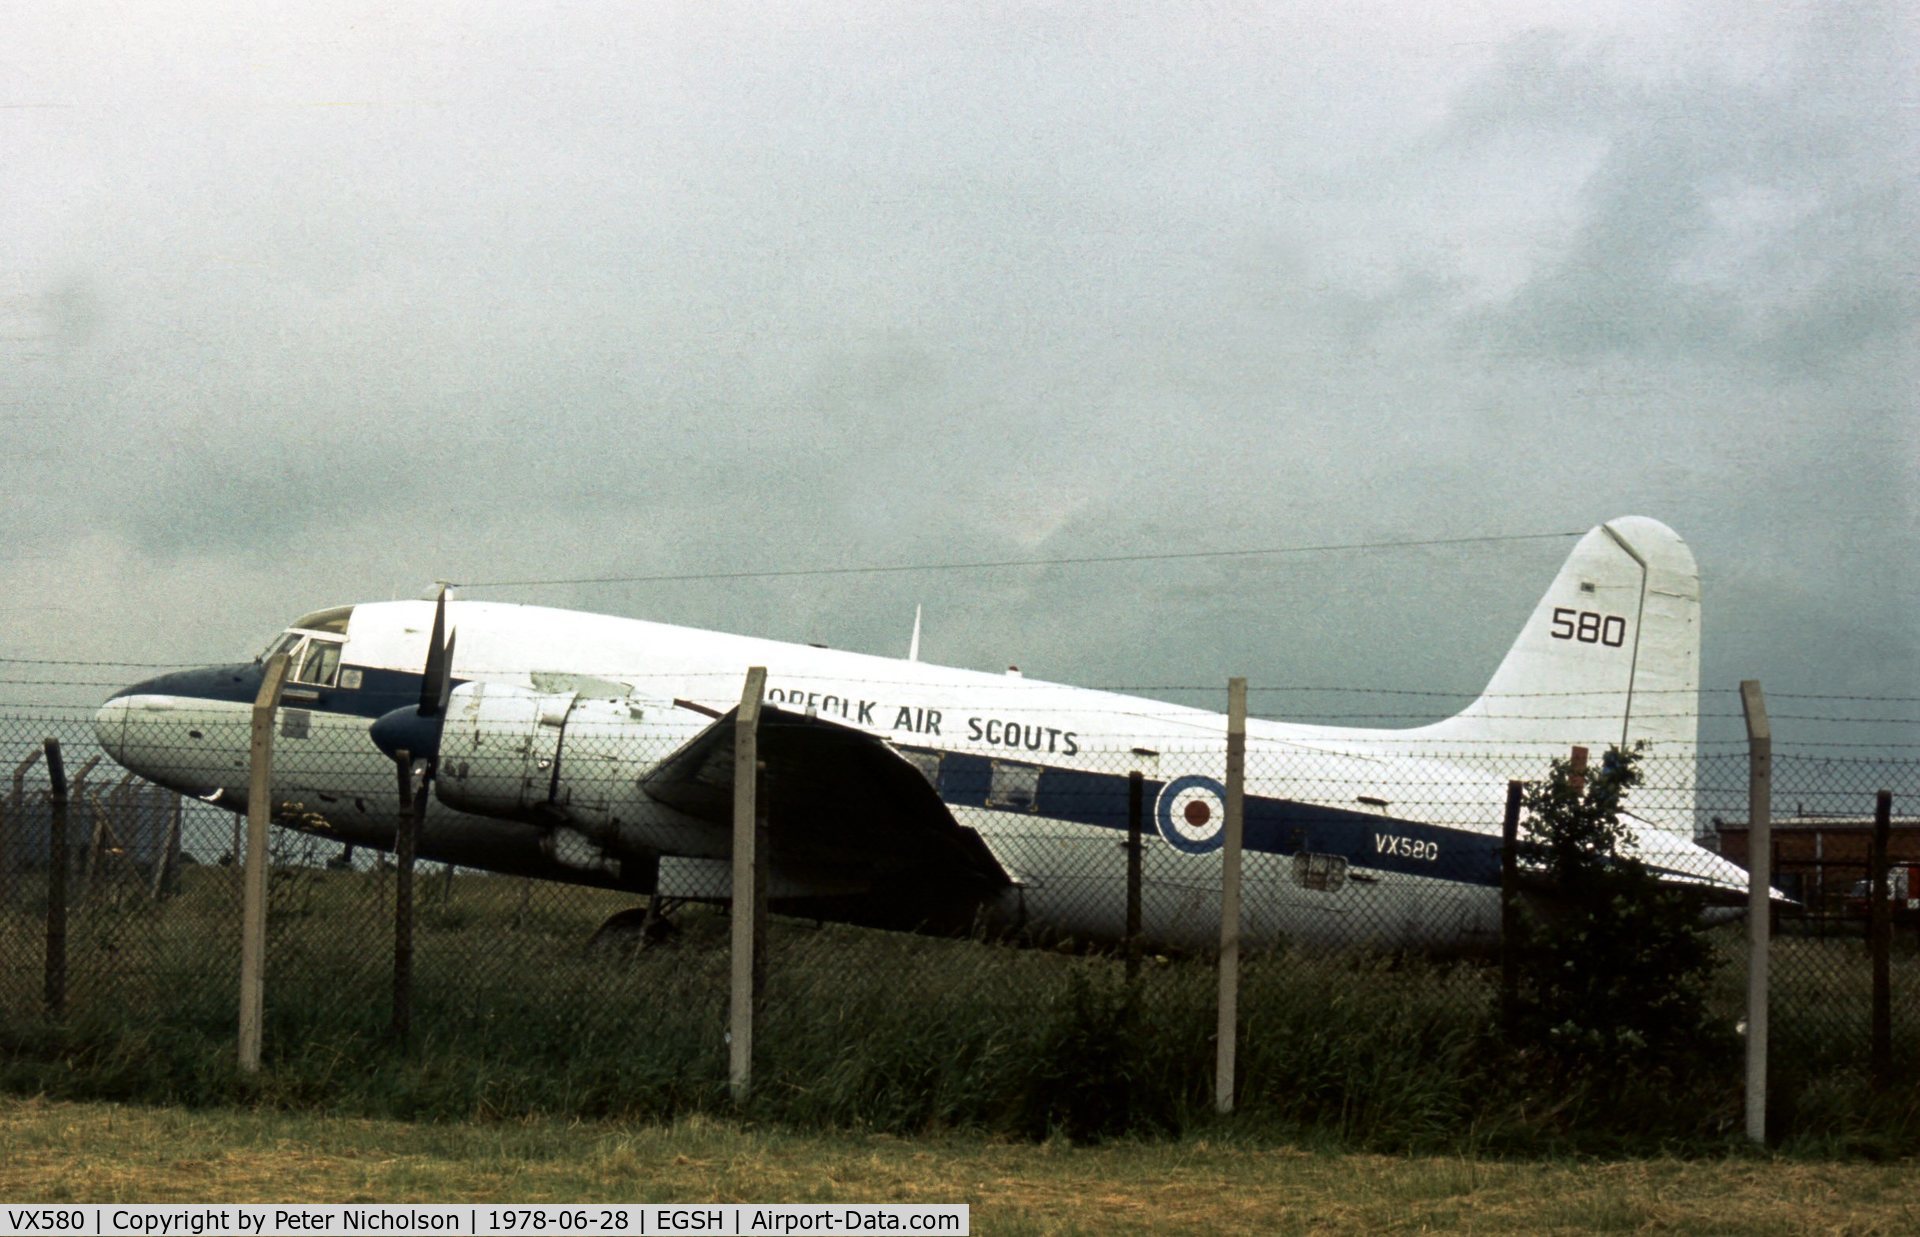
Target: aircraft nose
x=124, y=724
x=110, y=727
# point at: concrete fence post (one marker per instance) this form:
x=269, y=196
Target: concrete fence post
x=55, y=986
x=1880, y=922
x=1136, y=818
x=1753, y=704
x=1510, y=909
x=412, y=786
x=7, y=828
x=749, y=908
x=253, y=914
x=1227, y=1034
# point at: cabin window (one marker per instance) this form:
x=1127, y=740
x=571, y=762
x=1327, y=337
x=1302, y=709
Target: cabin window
x=928, y=763
x=320, y=664
x=1014, y=786
x=1325, y=873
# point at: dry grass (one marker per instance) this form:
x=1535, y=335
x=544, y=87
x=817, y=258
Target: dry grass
x=103, y=1153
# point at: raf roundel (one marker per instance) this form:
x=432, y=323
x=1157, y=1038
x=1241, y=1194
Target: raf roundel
x=1191, y=814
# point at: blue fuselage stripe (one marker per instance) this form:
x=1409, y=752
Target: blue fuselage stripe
x=1272, y=826
x=380, y=691
x=1099, y=800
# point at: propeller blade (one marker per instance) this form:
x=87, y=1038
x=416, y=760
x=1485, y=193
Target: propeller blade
x=446, y=675
x=416, y=730
x=433, y=689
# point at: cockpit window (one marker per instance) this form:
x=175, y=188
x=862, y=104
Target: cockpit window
x=331, y=622
x=320, y=664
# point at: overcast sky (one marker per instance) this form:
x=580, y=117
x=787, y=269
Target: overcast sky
x=323, y=305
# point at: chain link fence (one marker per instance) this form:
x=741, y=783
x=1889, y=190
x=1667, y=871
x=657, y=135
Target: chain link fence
x=1070, y=919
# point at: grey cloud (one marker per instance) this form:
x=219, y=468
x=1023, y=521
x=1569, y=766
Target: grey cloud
x=692, y=289
x=1655, y=267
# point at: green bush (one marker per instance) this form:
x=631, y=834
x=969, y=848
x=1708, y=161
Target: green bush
x=1616, y=968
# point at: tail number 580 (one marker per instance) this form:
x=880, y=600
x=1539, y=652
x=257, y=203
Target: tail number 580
x=1588, y=627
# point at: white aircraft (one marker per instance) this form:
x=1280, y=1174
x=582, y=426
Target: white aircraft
x=598, y=750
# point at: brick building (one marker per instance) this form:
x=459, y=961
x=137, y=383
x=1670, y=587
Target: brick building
x=1819, y=861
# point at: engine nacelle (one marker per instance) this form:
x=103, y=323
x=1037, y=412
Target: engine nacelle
x=523, y=752
x=499, y=748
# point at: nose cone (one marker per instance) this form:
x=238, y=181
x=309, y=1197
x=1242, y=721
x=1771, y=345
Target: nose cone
x=137, y=726
x=404, y=730
x=110, y=727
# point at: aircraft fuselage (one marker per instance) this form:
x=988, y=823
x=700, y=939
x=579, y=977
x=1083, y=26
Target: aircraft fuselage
x=561, y=723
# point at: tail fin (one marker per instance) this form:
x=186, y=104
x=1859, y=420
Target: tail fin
x=1611, y=655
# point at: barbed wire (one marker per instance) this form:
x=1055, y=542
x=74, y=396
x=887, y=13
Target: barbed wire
x=1019, y=683
x=999, y=681
x=1412, y=746
x=1188, y=710
x=1073, y=561
x=1411, y=720
x=74, y=661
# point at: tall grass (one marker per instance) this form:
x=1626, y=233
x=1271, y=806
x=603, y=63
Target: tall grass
x=514, y=1016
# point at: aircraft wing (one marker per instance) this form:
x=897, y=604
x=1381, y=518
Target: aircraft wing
x=840, y=805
